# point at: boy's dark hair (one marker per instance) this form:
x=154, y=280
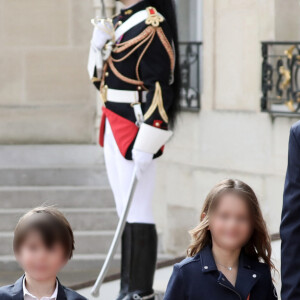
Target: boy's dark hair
x=52, y=226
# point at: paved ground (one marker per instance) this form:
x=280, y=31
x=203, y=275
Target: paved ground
x=109, y=290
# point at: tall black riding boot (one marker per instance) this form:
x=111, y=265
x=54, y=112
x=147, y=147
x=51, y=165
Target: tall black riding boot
x=143, y=255
x=125, y=261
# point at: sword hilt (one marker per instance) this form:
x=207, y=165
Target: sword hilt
x=103, y=10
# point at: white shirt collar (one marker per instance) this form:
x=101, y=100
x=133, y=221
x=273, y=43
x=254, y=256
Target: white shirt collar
x=26, y=293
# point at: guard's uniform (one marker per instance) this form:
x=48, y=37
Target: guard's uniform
x=142, y=62
x=139, y=69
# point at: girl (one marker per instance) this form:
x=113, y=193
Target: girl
x=230, y=253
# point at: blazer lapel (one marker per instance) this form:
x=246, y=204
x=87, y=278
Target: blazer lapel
x=207, y=260
x=61, y=295
x=18, y=289
x=246, y=277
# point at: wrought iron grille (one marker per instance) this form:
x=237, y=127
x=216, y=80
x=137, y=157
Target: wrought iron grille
x=280, y=78
x=190, y=75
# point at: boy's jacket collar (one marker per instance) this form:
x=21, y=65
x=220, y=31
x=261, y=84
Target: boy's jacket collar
x=18, y=290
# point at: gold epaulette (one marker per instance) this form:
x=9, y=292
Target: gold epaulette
x=154, y=18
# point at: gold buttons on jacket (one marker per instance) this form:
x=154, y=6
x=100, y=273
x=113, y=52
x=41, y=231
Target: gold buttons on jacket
x=128, y=12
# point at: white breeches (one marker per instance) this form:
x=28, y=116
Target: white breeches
x=119, y=172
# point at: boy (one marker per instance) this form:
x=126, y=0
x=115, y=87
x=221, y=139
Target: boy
x=43, y=244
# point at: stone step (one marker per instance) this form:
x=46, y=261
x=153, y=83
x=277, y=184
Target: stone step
x=80, y=269
x=82, y=262
x=54, y=175
x=82, y=219
x=60, y=196
x=86, y=242
x=48, y=155
x=72, y=177
x=76, y=271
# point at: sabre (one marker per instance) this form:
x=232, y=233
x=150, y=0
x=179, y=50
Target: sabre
x=117, y=237
x=149, y=139
x=103, y=10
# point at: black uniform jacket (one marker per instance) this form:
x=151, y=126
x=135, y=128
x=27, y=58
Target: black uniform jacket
x=150, y=63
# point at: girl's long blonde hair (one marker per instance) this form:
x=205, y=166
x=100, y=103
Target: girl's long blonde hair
x=259, y=244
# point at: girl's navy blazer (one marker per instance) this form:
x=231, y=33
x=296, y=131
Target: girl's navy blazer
x=15, y=292
x=197, y=278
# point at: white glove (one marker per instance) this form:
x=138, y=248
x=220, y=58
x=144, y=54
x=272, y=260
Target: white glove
x=141, y=161
x=100, y=35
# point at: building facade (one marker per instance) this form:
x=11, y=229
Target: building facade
x=46, y=98
x=230, y=136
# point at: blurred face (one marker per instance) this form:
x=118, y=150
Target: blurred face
x=230, y=223
x=39, y=262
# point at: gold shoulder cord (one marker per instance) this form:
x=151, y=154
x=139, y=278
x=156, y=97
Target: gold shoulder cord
x=167, y=46
x=153, y=20
x=157, y=102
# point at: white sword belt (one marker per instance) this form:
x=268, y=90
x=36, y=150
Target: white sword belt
x=124, y=96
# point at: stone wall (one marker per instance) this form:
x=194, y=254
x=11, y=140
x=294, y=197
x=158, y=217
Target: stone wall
x=229, y=137
x=45, y=93
x=46, y=97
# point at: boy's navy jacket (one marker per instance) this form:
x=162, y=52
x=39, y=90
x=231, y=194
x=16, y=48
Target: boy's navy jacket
x=15, y=292
x=197, y=278
x=290, y=221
